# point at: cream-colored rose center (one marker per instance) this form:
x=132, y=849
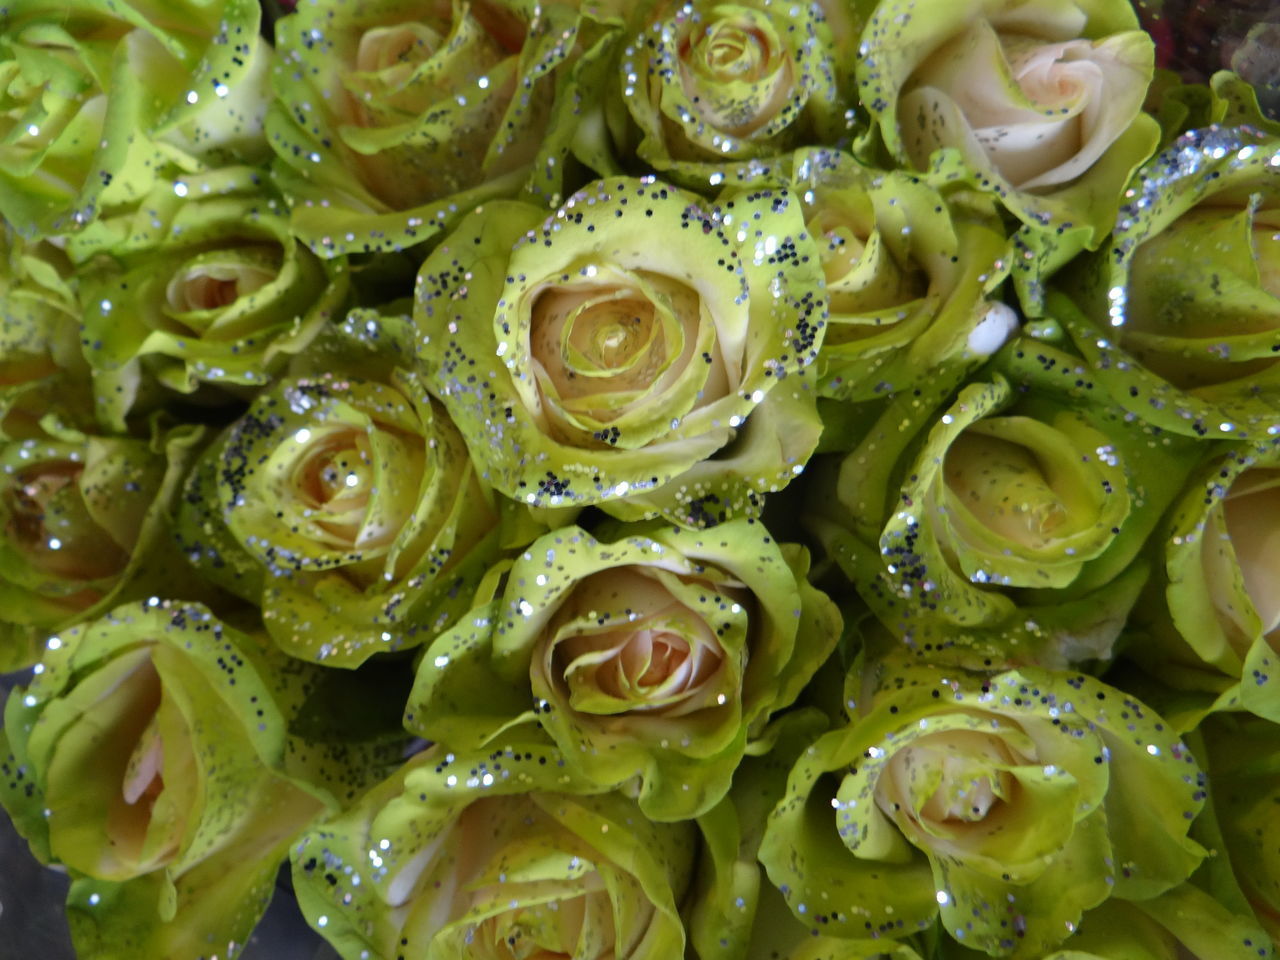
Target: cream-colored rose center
x=401, y=46
x=334, y=480
x=623, y=644
x=619, y=349
x=842, y=243
x=649, y=668
x=1004, y=486
x=550, y=931
x=949, y=780
x=212, y=286
x=735, y=73
x=50, y=524
x=598, y=342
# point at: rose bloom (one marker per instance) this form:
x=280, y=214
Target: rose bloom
x=82, y=528
x=911, y=276
x=1006, y=805
x=1215, y=621
x=1041, y=101
x=148, y=759
x=635, y=350
x=396, y=115
x=652, y=660
x=480, y=856
x=715, y=90
x=348, y=509
x=94, y=97
x=1180, y=313
x=1014, y=534
x=201, y=282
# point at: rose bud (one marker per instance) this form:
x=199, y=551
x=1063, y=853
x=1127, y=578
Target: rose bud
x=83, y=527
x=722, y=93
x=1180, y=313
x=911, y=275
x=1005, y=525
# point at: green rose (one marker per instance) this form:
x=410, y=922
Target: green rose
x=909, y=274
x=635, y=350
x=654, y=659
x=202, y=282
x=738, y=915
x=1180, y=313
x=348, y=509
x=720, y=92
x=393, y=117
x=148, y=757
x=82, y=528
x=1009, y=522
x=1006, y=805
x=1040, y=101
x=1216, y=625
x=93, y=95
x=483, y=856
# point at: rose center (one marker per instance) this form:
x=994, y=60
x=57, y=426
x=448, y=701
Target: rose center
x=644, y=669
x=842, y=244
x=967, y=792
x=213, y=287
x=613, y=338
x=335, y=481
x=51, y=524
x=949, y=779
x=337, y=477
x=731, y=52
x=1003, y=485
x=215, y=280
x=402, y=45
x=653, y=657
x=547, y=931
x=623, y=643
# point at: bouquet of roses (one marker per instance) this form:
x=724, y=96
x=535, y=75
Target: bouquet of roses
x=725, y=480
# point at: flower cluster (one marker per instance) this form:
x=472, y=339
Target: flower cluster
x=725, y=480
